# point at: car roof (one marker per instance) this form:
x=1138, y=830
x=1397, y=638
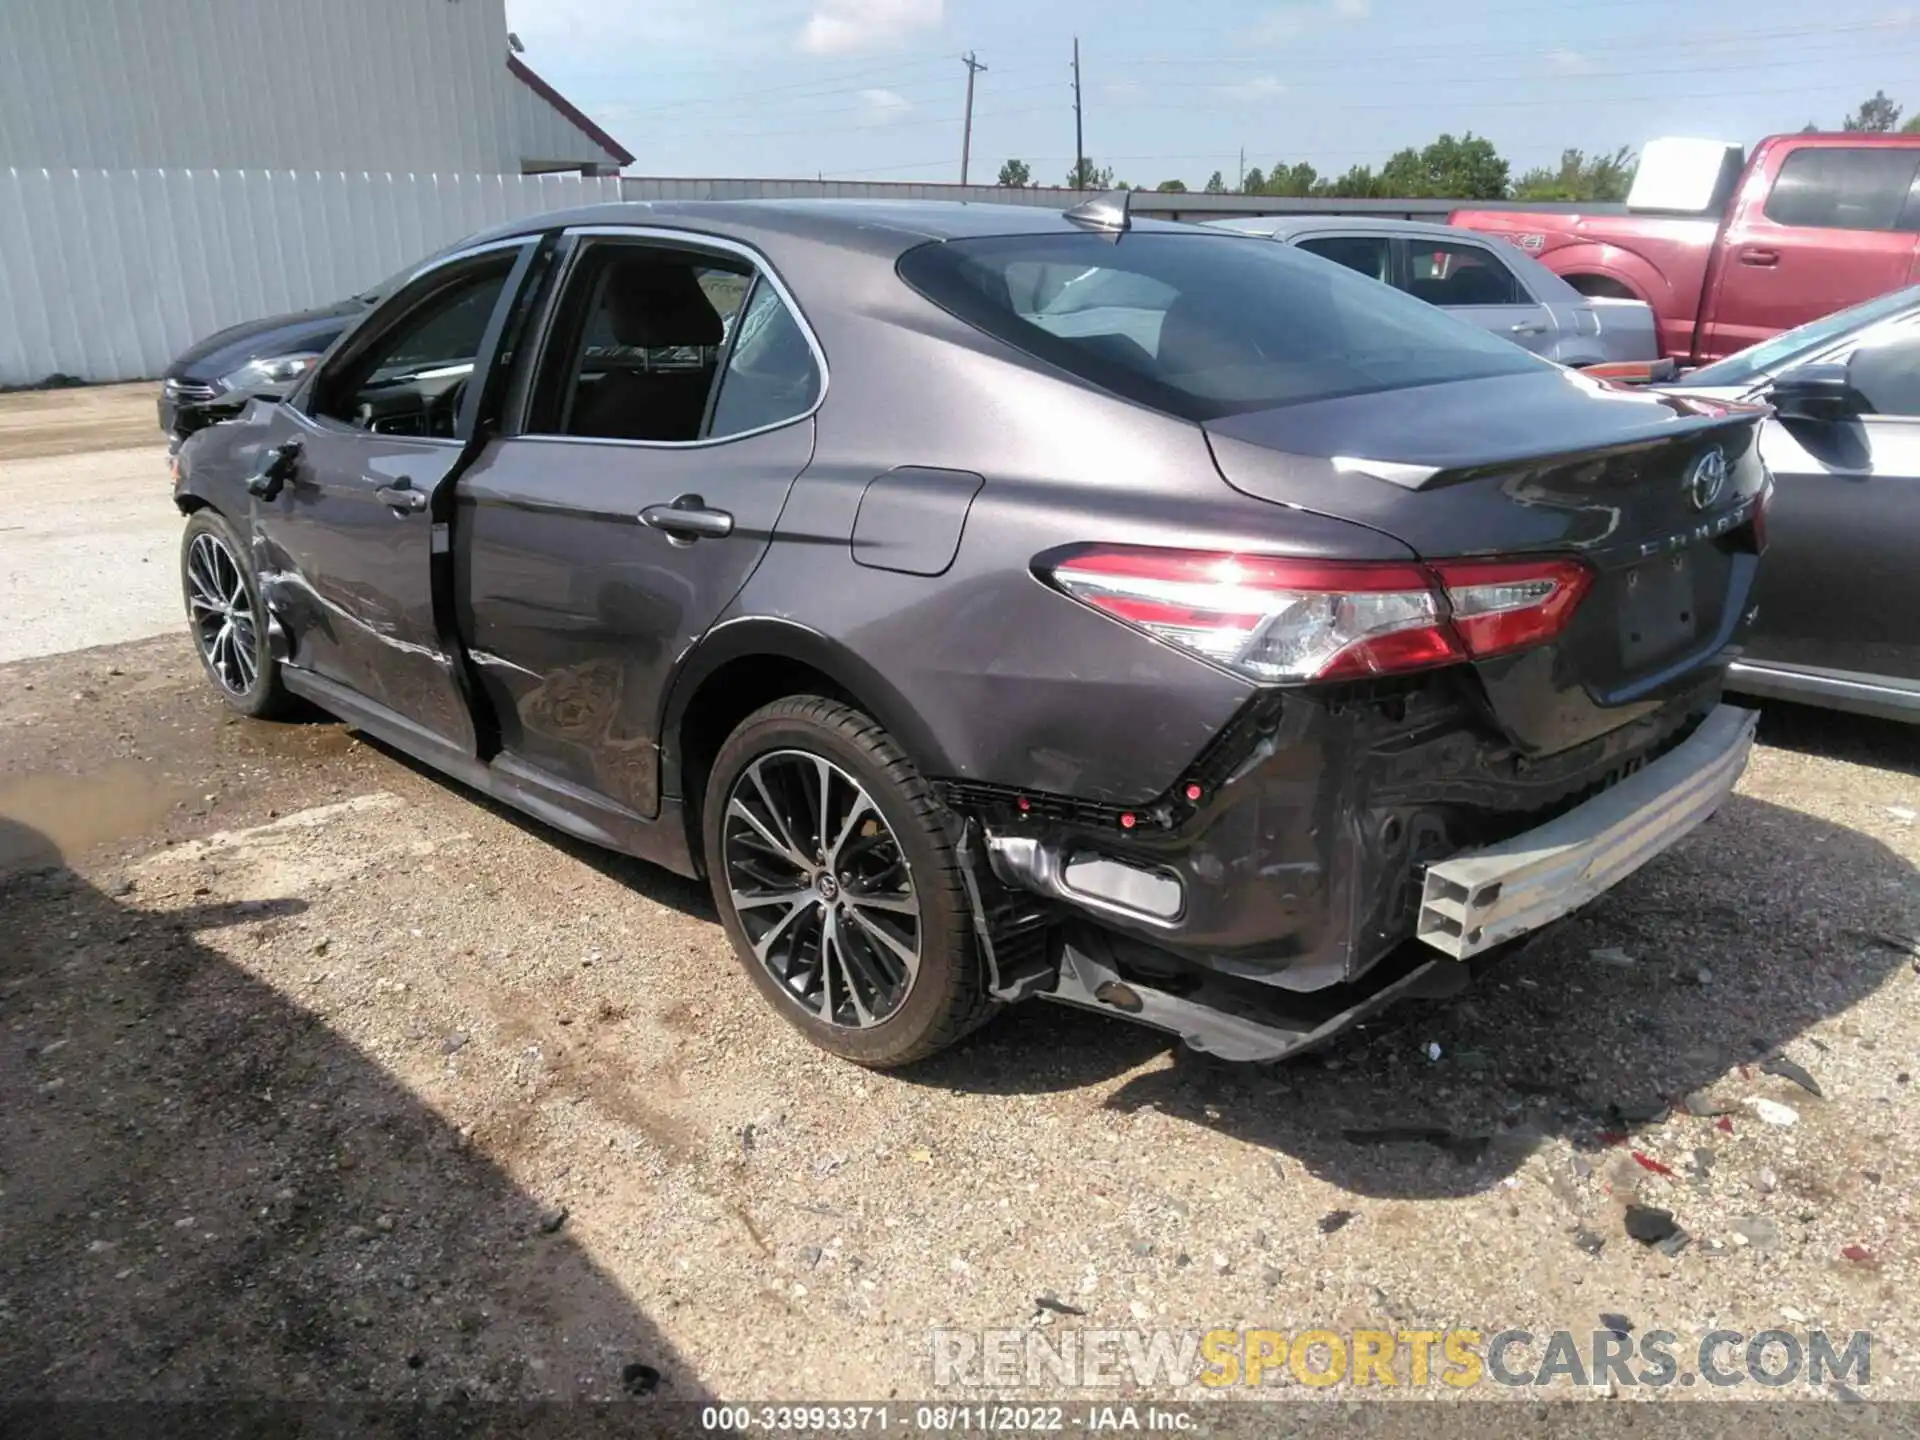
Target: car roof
x=870, y=225
x=1283, y=227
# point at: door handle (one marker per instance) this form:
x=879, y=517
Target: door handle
x=1765, y=259
x=1527, y=327
x=688, y=519
x=401, y=495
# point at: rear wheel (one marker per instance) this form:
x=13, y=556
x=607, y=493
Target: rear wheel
x=838, y=886
x=227, y=618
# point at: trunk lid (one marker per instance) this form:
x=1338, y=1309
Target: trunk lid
x=1543, y=463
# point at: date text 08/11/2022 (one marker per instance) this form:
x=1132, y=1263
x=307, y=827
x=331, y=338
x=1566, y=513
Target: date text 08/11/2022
x=947, y=1419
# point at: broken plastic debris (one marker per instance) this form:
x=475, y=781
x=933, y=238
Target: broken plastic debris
x=1612, y=956
x=1647, y=1162
x=1433, y=1050
x=1780, y=1065
x=1772, y=1111
x=1901, y=813
x=1858, y=1253
x=1723, y=1123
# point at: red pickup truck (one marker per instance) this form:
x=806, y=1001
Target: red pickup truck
x=1729, y=251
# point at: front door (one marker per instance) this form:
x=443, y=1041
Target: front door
x=1833, y=228
x=668, y=416
x=1470, y=282
x=1839, y=588
x=345, y=547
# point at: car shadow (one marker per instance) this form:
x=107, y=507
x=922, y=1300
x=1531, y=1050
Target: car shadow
x=1719, y=954
x=1838, y=735
x=206, y=1193
x=652, y=882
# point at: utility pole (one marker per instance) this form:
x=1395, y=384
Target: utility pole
x=1241, y=184
x=974, y=67
x=1079, y=141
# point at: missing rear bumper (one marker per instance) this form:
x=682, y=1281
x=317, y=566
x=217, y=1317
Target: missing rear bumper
x=1476, y=901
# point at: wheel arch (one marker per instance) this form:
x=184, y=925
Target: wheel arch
x=744, y=664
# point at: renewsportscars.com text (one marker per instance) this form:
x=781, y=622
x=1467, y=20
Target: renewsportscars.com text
x=1458, y=1359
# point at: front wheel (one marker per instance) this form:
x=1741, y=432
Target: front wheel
x=838, y=886
x=227, y=617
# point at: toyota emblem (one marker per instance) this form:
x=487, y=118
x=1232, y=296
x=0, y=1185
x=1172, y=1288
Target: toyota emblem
x=1706, y=478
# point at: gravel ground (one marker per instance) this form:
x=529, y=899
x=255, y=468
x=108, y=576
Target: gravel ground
x=321, y=1077
x=88, y=533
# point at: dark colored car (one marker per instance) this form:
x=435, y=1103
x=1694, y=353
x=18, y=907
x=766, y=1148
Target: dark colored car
x=213, y=379
x=1008, y=604
x=1839, y=624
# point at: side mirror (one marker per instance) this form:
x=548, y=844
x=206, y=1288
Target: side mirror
x=1816, y=392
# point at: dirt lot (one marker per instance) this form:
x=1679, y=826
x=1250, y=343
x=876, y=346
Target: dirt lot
x=321, y=1077
x=86, y=517
x=305, y=1045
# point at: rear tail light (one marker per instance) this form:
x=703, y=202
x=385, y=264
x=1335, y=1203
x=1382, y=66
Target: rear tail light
x=1511, y=605
x=1279, y=620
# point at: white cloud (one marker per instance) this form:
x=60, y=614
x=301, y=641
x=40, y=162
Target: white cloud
x=883, y=106
x=1246, y=92
x=1292, y=17
x=1567, y=62
x=847, y=27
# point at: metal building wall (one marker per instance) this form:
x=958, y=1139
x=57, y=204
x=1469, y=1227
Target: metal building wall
x=262, y=84
x=542, y=135
x=108, y=274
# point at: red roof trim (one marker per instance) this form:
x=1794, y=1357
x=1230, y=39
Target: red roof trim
x=524, y=73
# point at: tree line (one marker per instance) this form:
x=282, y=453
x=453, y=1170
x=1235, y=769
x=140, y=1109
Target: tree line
x=1465, y=167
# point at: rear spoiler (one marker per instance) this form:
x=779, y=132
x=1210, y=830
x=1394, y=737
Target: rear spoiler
x=1634, y=372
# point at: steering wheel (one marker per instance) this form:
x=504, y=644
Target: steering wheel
x=447, y=408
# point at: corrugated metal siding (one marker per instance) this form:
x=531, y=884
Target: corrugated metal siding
x=543, y=136
x=110, y=274
x=256, y=84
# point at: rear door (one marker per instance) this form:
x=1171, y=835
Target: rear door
x=1818, y=227
x=1840, y=588
x=1470, y=281
x=345, y=547
x=668, y=414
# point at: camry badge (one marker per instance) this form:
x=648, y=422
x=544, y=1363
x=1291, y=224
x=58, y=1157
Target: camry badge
x=1706, y=478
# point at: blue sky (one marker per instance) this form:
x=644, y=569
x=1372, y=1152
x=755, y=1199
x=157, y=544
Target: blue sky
x=873, y=89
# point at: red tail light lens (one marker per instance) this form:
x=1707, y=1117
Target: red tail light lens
x=1511, y=605
x=1279, y=620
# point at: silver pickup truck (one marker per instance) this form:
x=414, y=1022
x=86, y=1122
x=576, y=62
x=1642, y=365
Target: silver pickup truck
x=1487, y=282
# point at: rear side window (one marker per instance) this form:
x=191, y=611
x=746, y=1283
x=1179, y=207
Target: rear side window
x=1826, y=188
x=771, y=375
x=1368, y=255
x=1442, y=273
x=1202, y=325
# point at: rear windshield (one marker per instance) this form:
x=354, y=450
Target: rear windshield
x=1203, y=325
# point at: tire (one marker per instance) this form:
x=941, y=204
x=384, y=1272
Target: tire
x=227, y=619
x=889, y=855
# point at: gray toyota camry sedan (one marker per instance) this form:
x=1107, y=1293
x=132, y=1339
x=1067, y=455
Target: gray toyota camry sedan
x=994, y=603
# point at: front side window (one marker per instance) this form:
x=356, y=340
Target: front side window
x=1201, y=325
x=410, y=379
x=1797, y=346
x=1368, y=255
x=637, y=347
x=1443, y=273
x=1886, y=376
x=1832, y=188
